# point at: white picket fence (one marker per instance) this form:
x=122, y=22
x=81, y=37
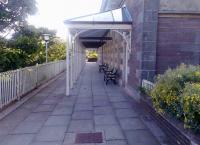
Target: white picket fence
x=147, y=85
x=14, y=84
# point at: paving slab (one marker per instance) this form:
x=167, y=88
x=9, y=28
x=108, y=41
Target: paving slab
x=51, y=118
x=28, y=127
x=69, y=138
x=122, y=105
x=37, y=117
x=141, y=137
x=105, y=120
x=84, y=101
x=81, y=115
x=112, y=132
x=106, y=110
x=44, y=108
x=117, y=99
x=46, y=143
x=51, y=133
x=58, y=121
x=125, y=113
x=24, y=139
x=79, y=126
x=83, y=107
x=101, y=102
x=117, y=142
x=62, y=110
x=131, y=124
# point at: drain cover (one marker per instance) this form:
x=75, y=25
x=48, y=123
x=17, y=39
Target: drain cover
x=82, y=138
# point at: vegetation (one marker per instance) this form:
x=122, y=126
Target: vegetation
x=27, y=48
x=57, y=51
x=91, y=55
x=15, y=12
x=177, y=93
x=191, y=106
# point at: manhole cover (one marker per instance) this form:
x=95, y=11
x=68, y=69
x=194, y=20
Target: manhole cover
x=82, y=138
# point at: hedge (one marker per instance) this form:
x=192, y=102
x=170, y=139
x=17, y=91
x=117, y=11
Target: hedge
x=177, y=93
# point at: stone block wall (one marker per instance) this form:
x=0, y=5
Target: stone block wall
x=113, y=52
x=178, y=34
x=174, y=6
x=178, y=41
x=142, y=61
x=165, y=33
x=160, y=40
x=151, y=8
x=136, y=9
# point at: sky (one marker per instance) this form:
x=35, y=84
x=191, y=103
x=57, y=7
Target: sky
x=52, y=13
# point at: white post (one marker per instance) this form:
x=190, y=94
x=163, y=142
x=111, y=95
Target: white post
x=126, y=67
x=18, y=85
x=0, y=92
x=74, y=63
x=71, y=64
x=76, y=56
x=79, y=59
x=67, y=64
x=128, y=47
x=36, y=75
x=46, y=51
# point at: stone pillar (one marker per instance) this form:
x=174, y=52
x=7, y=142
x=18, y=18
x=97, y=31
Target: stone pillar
x=150, y=22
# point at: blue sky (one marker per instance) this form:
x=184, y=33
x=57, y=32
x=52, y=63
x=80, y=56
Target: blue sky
x=52, y=13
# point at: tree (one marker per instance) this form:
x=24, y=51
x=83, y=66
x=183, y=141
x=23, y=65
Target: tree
x=27, y=47
x=57, y=51
x=11, y=59
x=14, y=12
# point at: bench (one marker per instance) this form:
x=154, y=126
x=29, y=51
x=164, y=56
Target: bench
x=103, y=67
x=111, y=75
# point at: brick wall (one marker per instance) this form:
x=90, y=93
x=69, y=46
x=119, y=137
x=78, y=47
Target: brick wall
x=178, y=40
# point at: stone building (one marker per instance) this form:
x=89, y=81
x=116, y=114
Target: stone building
x=164, y=34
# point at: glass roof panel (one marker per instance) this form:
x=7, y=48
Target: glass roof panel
x=117, y=15
x=107, y=16
x=88, y=18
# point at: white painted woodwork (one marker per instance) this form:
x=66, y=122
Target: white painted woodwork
x=14, y=84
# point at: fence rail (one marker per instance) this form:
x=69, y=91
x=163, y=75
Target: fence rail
x=147, y=85
x=14, y=84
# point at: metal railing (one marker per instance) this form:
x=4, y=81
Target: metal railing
x=14, y=84
x=147, y=85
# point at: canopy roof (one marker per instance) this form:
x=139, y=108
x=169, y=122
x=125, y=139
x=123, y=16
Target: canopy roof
x=99, y=24
x=111, y=4
x=116, y=16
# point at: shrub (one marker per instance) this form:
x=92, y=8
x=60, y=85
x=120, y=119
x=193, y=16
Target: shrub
x=167, y=94
x=191, y=106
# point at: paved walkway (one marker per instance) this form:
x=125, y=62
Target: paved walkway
x=51, y=118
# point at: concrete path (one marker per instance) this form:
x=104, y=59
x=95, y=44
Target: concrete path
x=51, y=118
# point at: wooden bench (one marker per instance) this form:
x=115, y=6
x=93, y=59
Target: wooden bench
x=111, y=75
x=103, y=67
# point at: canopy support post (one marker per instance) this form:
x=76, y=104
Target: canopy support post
x=67, y=65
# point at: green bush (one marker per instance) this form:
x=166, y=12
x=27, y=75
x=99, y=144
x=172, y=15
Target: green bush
x=167, y=96
x=191, y=106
